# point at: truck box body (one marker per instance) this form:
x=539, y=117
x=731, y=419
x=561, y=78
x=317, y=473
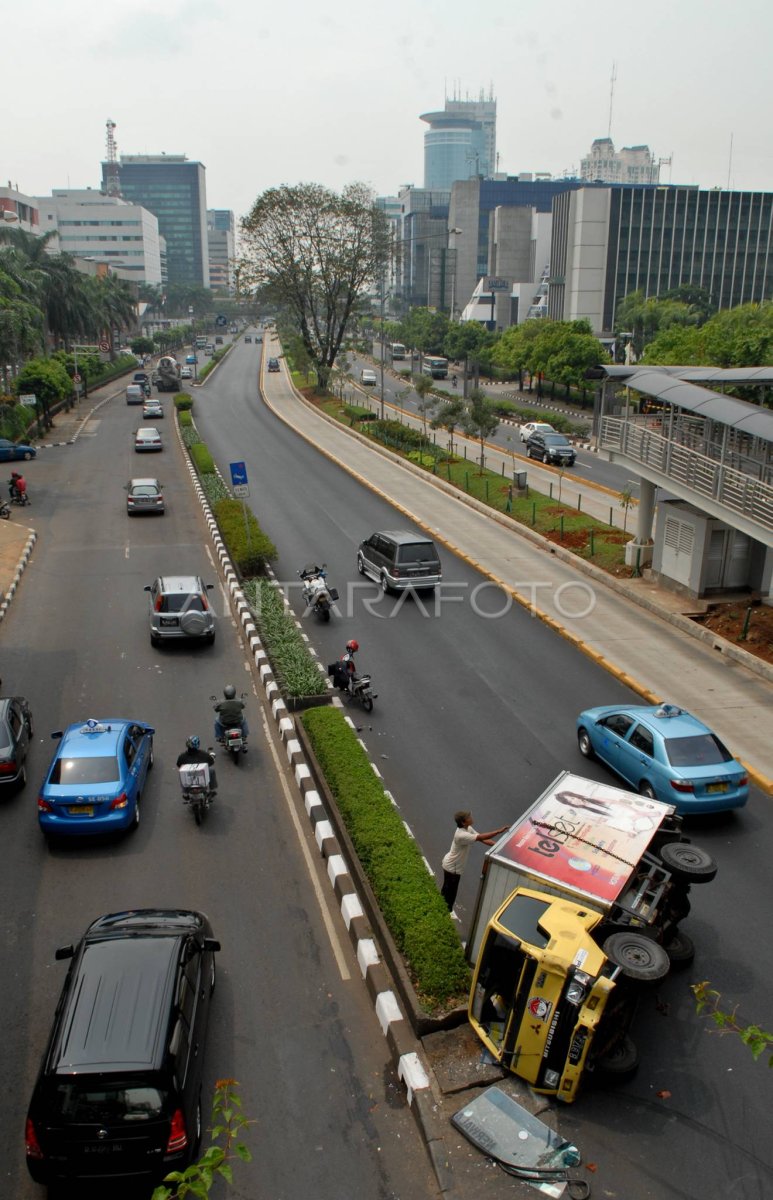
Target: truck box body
x=581, y=839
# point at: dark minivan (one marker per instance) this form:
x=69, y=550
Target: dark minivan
x=119, y=1089
x=399, y=559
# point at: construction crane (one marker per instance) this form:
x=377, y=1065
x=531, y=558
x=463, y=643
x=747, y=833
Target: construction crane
x=113, y=177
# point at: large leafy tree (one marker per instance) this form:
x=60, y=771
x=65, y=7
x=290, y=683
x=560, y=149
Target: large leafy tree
x=735, y=337
x=317, y=251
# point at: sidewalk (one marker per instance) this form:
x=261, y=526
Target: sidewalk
x=622, y=624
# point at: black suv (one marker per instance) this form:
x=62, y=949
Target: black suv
x=551, y=448
x=398, y=559
x=119, y=1088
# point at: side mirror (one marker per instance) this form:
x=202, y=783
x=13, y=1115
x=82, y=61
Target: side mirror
x=211, y=944
x=58, y=734
x=209, y=586
x=64, y=952
x=146, y=588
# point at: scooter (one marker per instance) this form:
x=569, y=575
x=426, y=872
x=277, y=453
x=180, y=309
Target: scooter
x=234, y=739
x=316, y=593
x=360, y=690
x=196, y=785
x=21, y=498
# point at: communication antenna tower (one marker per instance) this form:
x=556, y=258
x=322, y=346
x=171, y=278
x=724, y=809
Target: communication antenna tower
x=611, y=98
x=113, y=175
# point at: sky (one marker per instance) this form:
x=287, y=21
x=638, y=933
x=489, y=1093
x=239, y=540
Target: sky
x=265, y=94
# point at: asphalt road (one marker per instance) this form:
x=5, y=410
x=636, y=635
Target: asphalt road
x=478, y=710
x=291, y=1019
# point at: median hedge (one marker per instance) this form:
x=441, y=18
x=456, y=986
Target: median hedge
x=250, y=548
x=202, y=459
x=406, y=893
x=295, y=669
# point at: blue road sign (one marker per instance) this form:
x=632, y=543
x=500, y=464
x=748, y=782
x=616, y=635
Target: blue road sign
x=238, y=474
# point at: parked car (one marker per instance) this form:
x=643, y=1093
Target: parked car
x=551, y=448
x=179, y=608
x=147, y=438
x=144, y=496
x=399, y=559
x=665, y=753
x=368, y=378
x=9, y=451
x=531, y=427
x=96, y=777
x=15, y=735
x=273, y=364
x=118, y=1093
x=152, y=410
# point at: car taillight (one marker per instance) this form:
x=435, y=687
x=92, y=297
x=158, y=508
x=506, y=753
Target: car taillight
x=7, y=767
x=159, y=601
x=682, y=785
x=31, y=1143
x=742, y=782
x=178, y=1137
x=119, y=802
x=204, y=602
x=44, y=806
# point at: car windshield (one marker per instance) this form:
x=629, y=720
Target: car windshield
x=418, y=552
x=555, y=439
x=79, y=771
x=702, y=750
x=88, y=1102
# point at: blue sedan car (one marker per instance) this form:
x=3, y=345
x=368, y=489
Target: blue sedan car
x=663, y=752
x=10, y=451
x=96, y=777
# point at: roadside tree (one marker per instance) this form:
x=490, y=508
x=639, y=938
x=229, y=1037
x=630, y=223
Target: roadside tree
x=449, y=416
x=317, y=250
x=480, y=421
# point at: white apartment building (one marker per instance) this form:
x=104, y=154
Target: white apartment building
x=103, y=229
x=632, y=164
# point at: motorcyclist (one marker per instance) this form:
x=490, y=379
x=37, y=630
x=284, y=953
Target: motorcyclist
x=17, y=486
x=347, y=659
x=193, y=754
x=230, y=714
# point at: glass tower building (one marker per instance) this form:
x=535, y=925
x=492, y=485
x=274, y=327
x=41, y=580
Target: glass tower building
x=174, y=190
x=460, y=142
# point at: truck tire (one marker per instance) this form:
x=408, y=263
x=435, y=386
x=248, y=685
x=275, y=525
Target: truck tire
x=638, y=957
x=619, y=1064
x=680, y=950
x=687, y=862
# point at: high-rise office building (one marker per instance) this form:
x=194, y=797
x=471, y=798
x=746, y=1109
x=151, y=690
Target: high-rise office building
x=632, y=164
x=221, y=236
x=610, y=241
x=103, y=229
x=174, y=190
x=461, y=141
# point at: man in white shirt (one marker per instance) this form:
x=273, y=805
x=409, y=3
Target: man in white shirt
x=454, y=862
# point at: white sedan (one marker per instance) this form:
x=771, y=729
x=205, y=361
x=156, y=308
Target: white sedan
x=147, y=438
x=186, y=373
x=535, y=427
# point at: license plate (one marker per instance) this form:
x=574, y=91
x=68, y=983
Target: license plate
x=167, y=621
x=576, y=1048
x=81, y=810
x=716, y=787
x=110, y=1148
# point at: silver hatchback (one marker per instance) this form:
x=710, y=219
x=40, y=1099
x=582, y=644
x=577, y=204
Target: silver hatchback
x=180, y=608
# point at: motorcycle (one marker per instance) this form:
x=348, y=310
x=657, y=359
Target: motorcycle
x=5, y=510
x=17, y=497
x=361, y=691
x=197, y=790
x=234, y=739
x=317, y=595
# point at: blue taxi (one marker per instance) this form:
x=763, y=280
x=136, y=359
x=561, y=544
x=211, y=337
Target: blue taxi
x=665, y=753
x=96, y=777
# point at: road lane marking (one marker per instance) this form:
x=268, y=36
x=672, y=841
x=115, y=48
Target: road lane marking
x=321, y=896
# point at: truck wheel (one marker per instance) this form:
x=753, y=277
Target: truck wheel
x=680, y=950
x=637, y=956
x=687, y=862
x=621, y=1063
x=584, y=742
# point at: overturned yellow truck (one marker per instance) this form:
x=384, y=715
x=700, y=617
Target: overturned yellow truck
x=579, y=909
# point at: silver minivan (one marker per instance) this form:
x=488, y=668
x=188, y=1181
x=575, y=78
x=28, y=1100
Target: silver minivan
x=135, y=394
x=398, y=559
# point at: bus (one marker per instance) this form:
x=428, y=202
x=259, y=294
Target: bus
x=436, y=367
x=397, y=351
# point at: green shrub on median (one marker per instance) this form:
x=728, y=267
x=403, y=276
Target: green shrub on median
x=296, y=671
x=185, y=418
x=249, y=547
x=406, y=893
x=203, y=461
x=183, y=401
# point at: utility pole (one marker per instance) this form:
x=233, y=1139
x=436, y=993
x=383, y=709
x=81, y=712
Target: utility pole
x=382, y=347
